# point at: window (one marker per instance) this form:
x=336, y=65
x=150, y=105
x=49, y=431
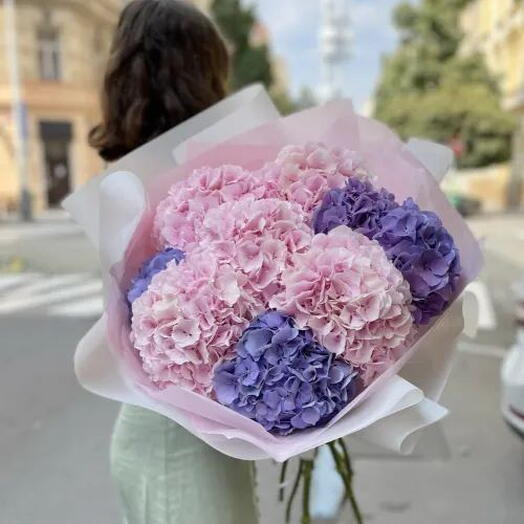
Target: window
x=49, y=56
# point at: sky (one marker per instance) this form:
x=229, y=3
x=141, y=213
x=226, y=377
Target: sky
x=294, y=26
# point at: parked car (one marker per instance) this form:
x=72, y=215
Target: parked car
x=466, y=206
x=512, y=371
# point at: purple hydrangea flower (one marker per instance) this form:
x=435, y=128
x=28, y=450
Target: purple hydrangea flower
x=149, y=269
x=358, y=206
x=424, y=252
x=415, y=241
x=282, y=378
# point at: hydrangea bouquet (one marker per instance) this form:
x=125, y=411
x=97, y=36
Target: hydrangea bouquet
x=268, y=291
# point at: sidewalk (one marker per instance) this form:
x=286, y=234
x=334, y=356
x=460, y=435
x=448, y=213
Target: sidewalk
x=52, y=244
x=48, y=223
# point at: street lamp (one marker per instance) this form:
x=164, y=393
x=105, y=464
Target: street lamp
x=18, y=110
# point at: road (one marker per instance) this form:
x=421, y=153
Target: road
x=54, y=437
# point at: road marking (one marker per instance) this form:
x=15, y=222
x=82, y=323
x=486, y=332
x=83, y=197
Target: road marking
x=45, y=283
x=90, y=307
x=17, y=304
x=487, y=320
x=8, y=280
x=69, y=295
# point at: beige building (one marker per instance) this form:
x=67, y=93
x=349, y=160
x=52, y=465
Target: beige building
x=62, y=47
x=495, y=28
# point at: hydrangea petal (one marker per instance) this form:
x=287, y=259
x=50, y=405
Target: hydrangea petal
x=415, y=241
x=158, y=262
x=352, y=297
x=304, y=387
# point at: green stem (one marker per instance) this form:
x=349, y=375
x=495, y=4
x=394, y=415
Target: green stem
x=293, y=493
x=337, y=459
x=349, y=482
x=307, y=467
x=347, y=460
x=283, y=471
x=345, y=475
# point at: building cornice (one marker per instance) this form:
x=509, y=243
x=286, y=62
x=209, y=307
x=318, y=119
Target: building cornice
x=53, y=97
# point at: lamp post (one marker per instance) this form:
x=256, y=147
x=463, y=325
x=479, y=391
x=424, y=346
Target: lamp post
x=18, y=110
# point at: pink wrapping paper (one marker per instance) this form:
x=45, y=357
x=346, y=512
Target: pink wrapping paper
x=126, y=204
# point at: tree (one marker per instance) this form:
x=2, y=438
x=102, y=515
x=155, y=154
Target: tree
x=429, y=89
x=283, y=102
x=287, y=105
x=306, y=99
x=250, y=63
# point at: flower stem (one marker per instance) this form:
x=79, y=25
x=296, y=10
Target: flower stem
x=343, y=466
x=307, y=470
x=349, y=472
x=293, y=492
x=283, y=471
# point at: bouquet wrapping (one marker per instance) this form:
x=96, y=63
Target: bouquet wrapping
x=274, y=284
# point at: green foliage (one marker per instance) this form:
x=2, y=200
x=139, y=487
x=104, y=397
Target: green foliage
x=428, y=89
x=306, y=99
x=250, y=63
x=287, y=105
x=284, y=103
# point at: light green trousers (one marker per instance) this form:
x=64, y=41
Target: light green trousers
x=165, y=475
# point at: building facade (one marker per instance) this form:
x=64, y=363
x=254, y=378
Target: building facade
x=62, y=47
x=495, y=28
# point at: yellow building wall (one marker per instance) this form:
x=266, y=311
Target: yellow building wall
x=3, y=62
x=488, y=185
x=495, y=28
x=85, y=34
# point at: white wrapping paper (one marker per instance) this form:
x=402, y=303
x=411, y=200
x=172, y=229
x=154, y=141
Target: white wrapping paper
x=110, y=209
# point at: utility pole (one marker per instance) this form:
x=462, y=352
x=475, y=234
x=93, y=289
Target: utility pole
x=335, y=38
x=18, y=111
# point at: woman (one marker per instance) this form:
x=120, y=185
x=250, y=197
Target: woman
x=167, y=63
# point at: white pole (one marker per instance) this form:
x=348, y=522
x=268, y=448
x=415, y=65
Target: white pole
x=17, y=109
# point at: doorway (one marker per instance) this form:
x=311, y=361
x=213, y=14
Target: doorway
x=56, y=140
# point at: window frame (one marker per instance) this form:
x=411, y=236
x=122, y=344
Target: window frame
x=49, y=53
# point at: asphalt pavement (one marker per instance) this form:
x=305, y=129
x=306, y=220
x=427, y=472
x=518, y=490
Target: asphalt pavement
x=54, y=437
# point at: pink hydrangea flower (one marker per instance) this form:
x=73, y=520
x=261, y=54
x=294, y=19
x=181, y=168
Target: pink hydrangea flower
x=190, y=318
x=180, y=215
x=381, y=360
x=259, y=237
x=346, y=290
x=304, y=174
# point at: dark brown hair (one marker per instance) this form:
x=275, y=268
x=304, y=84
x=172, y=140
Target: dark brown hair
x=168, y=63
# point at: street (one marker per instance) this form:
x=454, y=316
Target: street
x=54, y=437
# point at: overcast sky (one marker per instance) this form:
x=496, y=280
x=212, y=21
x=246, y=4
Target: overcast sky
x=294, y=26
